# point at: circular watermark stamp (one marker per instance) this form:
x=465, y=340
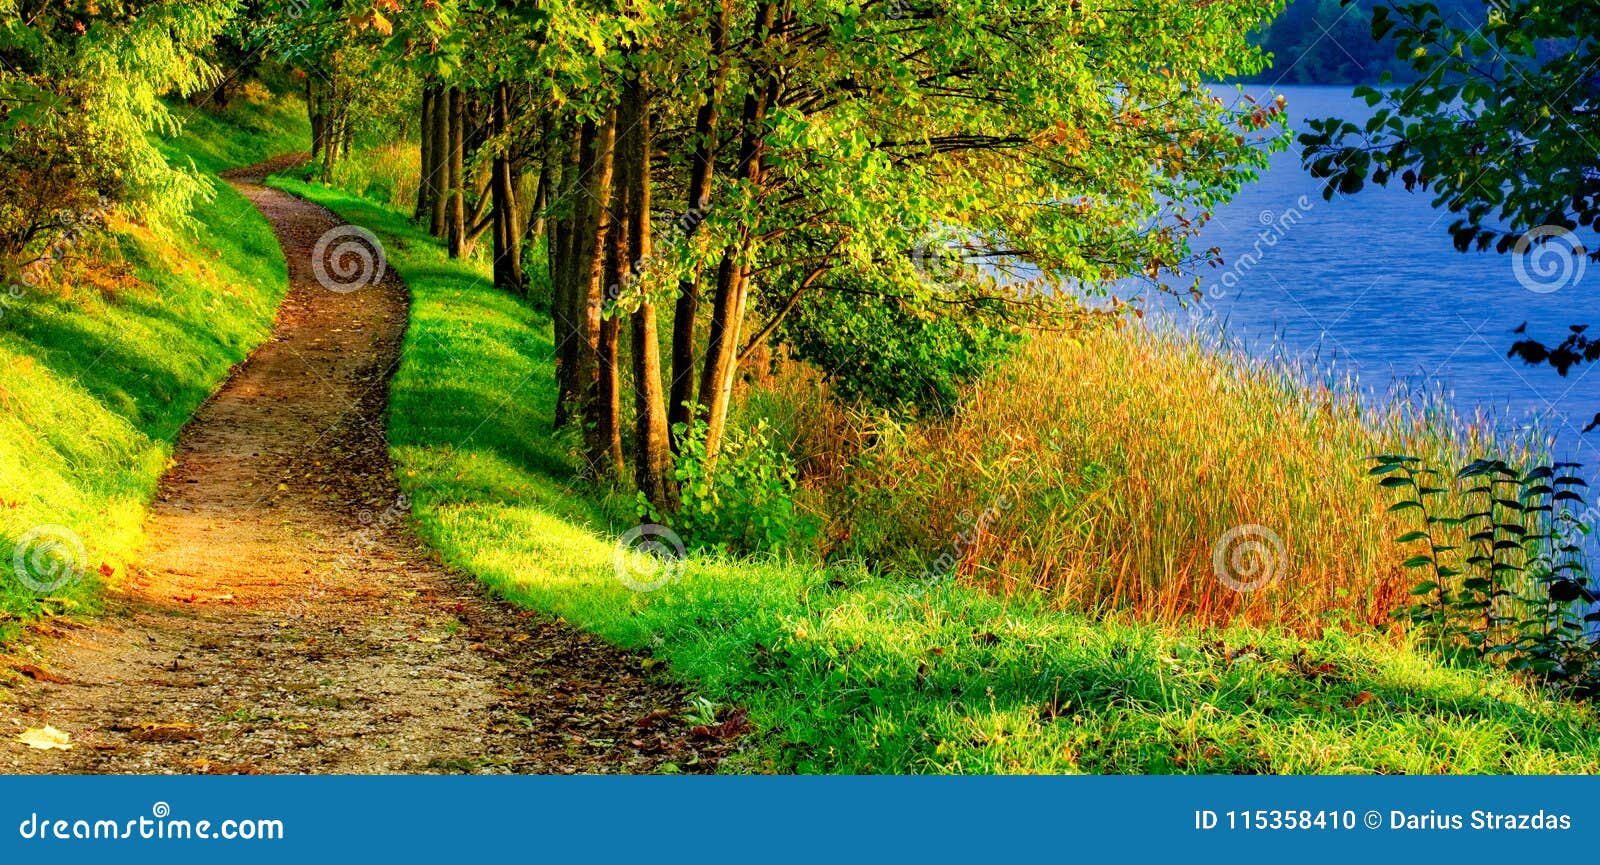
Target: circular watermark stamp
x=1249, y=557
x=648, y=557
x=348, y=258
x=1548, y=258
x=939, y=258
x=47, y=558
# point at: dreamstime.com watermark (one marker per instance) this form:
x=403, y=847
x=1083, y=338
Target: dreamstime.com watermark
x=161, y=825
x=1275, y=226
x=48, y=558
x=1249, y=557
x=1548, y=258
x=72, y=225
x=348, y=258
x=669, y=235
x=943, y=570
x=373, y=528
x=649, y=557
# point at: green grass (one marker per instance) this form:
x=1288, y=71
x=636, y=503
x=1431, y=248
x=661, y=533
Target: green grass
x=97, y=380
x=844, y=672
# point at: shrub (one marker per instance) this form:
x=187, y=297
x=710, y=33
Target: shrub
x=897, y=354
x=1501, y=556
x=743, y=502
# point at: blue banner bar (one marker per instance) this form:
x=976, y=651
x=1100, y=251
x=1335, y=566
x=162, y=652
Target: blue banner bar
x=637, y=820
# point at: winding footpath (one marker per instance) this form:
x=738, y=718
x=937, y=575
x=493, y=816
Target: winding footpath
x=283, y=618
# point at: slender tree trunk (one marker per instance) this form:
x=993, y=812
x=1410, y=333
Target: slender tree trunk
x=314, y=114
x=330, y=130
x=441, y=161
x=508, y=223
x=558, y=263
x=534, y=227
x=727, y=312
x=652, y=457
x=425, y=144
x=456, y=217
x=579, y=322
x=605, y=448
x=681, y=400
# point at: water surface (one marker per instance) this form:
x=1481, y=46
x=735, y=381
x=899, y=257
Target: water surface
x=1371, y=285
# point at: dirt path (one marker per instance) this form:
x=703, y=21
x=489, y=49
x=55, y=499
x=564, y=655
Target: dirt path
x=283, y=619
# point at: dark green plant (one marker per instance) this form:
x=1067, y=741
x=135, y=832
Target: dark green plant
x=1505, y=575
x=903, y=354
x=743, y=502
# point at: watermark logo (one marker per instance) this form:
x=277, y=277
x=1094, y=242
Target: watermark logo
x=1249, y=557
x=348, y=258
x=1275, y=227
x=47, y=558
x=939, y=259
x=1548, y=259
x=373, y=527
x=648, y=557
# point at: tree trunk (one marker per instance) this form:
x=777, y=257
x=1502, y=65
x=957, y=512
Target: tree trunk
x=652, y=457
x=605, y=448
x=559, y=165
x=681, y=402
x=508, y=222
x=441, y=162
x=456, y=216
x=329, y=111
x=534, y=225
x=727, y=312
x=314, y=114
x=578, y=322
x=425, y=143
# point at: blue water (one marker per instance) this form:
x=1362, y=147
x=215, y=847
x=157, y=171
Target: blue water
x=1370, y=285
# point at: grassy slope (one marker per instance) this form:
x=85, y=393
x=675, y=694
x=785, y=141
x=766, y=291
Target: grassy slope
x=95, y=385
x=848, y=673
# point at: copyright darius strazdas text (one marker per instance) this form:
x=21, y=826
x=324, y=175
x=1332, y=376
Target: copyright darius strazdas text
x=1339, y=820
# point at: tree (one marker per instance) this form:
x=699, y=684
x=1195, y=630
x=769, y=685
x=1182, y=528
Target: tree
x=1499, y=126
x=121, y=58
x=730, y=162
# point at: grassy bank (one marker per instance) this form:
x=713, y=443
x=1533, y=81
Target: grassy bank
x=843, y=671
x=101, y=366
x=1116, y=464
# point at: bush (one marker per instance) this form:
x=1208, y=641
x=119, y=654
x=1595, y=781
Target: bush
x=741, y=503
x=1501, y=557
x=898, y=355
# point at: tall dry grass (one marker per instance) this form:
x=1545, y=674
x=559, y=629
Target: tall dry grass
x=1107, y=469
x=387, y=174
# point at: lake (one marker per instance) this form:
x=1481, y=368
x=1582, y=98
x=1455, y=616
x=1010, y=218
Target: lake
x=1371, y=285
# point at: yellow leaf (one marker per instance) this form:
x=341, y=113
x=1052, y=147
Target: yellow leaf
x=45, y=738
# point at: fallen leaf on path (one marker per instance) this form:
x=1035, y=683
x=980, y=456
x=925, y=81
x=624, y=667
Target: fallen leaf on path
x=737, y=723
x=46, y=738
x=209, y=767
x=39, y=674
x=157, y=732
